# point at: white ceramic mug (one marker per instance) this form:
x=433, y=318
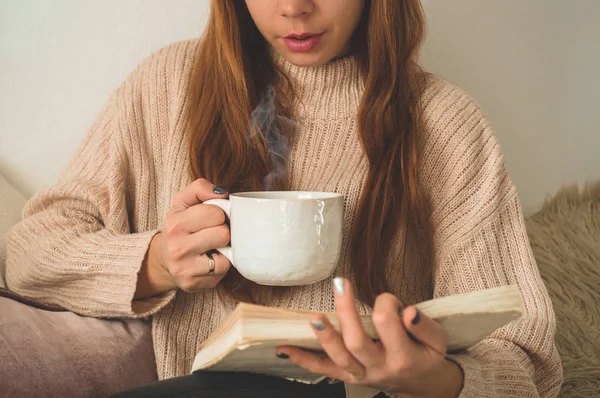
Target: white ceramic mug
x=283, y=238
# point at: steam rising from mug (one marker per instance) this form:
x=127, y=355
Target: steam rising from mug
x=267, y=122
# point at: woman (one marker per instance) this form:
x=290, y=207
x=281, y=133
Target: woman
x=430, y=210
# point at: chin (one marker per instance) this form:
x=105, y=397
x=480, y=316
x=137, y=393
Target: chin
x=312, y=59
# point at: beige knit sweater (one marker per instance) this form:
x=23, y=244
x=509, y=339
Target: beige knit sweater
x=81, y=242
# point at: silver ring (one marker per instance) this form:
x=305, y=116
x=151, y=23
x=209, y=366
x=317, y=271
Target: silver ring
x=211, y=264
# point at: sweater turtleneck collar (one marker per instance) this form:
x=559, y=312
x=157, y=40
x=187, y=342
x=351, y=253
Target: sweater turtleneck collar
x=330, y=91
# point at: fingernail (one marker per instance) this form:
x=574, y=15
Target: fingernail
x=417, y=318
x=282, y=355
x=318, y=324
x=357, y=376
x=219, y=190
x=338, y=286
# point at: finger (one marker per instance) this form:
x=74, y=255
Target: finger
x=198, y=217
x=334, y=346
x=207, y=239
x=387, y=322
x=222, y=266
x=314, y=363
x=196, y=277
x=197, y=192
x=425, y=330
x=199, y=266
x=355, y=339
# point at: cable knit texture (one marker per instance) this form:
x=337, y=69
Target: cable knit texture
x=82, y=241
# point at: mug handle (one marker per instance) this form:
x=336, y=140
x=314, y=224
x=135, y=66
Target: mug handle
x=225, y=205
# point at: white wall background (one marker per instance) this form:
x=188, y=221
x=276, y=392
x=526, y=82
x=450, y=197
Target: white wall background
x=533, y=67
x=531, y=64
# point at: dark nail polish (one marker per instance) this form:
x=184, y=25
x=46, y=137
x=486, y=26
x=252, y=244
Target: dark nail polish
x=219, y=190
x=282, y=355
x=319, y=324
x=417, y=318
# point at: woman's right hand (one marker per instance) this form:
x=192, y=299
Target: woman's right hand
x=177, y=256
x=190, y=230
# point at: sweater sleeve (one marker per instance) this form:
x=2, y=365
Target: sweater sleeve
x=481, y=242
x=76, y=246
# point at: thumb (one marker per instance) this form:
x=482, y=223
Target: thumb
x=425, y=330
x=197, y=192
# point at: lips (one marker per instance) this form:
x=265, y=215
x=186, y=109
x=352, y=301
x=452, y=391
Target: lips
x=302, y=42
x=301, y=36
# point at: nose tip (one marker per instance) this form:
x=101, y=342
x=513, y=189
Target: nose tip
x=296, y=8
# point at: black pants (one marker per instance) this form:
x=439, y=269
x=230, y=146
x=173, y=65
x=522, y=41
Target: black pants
x=233, y=385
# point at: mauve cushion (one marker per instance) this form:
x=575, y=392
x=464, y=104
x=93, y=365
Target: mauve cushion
x=60, y=354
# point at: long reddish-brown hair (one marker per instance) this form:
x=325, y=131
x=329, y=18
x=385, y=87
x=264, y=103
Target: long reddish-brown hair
x=234, y=68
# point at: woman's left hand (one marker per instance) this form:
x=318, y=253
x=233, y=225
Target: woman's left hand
x=409, y=359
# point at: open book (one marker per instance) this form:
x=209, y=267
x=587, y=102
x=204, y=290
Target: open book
x=248, y=338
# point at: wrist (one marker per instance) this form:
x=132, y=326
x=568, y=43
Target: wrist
x=452, y=380
x=448, y=383
x=159, y=271
x=154, y=277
